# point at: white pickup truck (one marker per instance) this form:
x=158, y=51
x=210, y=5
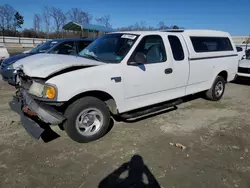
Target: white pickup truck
x=125, y=75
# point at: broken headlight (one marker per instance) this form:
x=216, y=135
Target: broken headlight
x=46, y=91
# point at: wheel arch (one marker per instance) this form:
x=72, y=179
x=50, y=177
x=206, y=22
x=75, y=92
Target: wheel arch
x=223, y=74
x=102, y=95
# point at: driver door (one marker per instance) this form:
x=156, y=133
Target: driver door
x=146, y=84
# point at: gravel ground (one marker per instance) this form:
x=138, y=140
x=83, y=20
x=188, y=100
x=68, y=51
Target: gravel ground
x=215, y=135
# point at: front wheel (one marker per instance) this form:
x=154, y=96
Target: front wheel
x=88, y=119
x=217, y=90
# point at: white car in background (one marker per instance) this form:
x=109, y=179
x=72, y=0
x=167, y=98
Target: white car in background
x=244, y=68
x=3, y=53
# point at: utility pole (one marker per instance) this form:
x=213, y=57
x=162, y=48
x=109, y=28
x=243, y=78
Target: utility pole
x=247, y=41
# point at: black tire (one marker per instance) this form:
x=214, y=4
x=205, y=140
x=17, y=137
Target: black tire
x=75, y=109
x=211, y=94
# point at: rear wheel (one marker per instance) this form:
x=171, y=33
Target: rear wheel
x=217, y=90
x=88, y=119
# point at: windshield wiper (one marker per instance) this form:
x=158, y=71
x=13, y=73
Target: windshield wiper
x=92, y=57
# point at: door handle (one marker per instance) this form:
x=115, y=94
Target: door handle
x=168, y=71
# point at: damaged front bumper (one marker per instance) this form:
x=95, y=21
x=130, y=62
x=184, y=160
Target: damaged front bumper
x=45, y=112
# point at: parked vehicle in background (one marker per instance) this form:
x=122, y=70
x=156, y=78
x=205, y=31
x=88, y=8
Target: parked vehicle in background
x=241, y=52
x=125, y=75
x=66, y=46
x=3, y=53
x=244, y=68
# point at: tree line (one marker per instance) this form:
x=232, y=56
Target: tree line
x=49, y=23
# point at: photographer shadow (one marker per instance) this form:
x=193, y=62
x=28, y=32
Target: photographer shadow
x=136, y=169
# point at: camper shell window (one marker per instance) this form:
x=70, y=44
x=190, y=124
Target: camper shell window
x=211, y=44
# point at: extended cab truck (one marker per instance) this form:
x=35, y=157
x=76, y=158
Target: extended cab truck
x=125, y=75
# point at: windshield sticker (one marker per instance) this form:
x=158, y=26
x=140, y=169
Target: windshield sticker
x=126, y=36
x=118, y=58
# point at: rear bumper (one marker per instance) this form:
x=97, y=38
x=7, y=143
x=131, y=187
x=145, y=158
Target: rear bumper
x=44, y=111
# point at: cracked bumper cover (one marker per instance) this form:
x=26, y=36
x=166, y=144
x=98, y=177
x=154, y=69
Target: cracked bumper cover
x=45, y=112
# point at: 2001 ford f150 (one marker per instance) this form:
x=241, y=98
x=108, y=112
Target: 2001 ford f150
x=125, y=75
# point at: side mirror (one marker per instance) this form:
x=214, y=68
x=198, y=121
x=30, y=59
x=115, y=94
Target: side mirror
x=140, y=58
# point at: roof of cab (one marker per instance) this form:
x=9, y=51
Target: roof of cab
x=186, y=32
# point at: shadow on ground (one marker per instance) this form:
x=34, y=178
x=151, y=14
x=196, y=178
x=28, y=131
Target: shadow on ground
x=135, y=169
x=242, y=81
x=147, y=116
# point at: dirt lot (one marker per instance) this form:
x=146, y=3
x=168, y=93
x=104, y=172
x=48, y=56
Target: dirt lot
x=216, y=136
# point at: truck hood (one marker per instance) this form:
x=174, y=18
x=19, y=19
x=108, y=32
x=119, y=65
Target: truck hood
x=244, y=63
x=44, y=65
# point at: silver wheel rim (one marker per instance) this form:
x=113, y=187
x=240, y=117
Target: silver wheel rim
x=89, y=121
x=219, y=89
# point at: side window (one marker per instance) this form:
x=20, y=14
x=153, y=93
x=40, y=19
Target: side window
x=153, y=48
x=176, y=47
x=211, y=44
x=82, y=45
x=239, y=49
x=67, y=48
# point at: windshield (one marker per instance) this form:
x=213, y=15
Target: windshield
x=43, y=47
x=110, y=48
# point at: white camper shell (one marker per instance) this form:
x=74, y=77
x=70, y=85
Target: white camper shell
x=126, y=75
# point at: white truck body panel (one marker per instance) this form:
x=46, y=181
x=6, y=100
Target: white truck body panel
x=154, y=86
x=142, y=85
